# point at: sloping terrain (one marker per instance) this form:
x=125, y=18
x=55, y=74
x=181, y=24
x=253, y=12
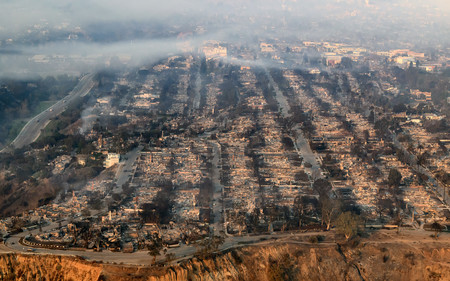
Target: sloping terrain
x=384, y=260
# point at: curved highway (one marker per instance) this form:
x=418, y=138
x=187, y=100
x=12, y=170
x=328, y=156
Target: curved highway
x=31, y=131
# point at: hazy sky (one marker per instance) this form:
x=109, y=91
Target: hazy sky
x=149, y=29
x=19, y=16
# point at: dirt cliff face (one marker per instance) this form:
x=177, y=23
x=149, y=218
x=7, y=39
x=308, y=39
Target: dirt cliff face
x=43, y=267
x=293, y=261
x=321, y=262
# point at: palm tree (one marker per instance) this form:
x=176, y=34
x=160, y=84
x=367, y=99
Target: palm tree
x=155, y=247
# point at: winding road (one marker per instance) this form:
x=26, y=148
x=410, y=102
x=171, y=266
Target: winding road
x=12, y=245
x=31, y=131
x=142, y=257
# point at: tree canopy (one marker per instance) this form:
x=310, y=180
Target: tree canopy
x=348, y=224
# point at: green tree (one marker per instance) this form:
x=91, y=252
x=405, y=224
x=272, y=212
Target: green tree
x=371, y=117
x=348, y=224
x=347, y=63
x=422, y=159
x=383, y=204
x=437, y=228
x=394, y=178
x=322, y=187
x=304, y=207
x=17, y=224
x=155, y=247
x=329, y=209
x=209, y=245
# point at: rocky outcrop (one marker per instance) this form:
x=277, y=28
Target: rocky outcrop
x=289, y=261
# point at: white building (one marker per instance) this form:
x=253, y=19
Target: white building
x=112, y=159
x=214, y=50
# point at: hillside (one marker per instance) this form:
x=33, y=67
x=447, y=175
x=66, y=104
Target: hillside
x=384, y=260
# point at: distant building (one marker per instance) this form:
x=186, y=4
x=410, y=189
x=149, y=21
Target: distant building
x=419, y=95
x=406, y=52
x=81, y=159
x=314, y=71
x=112, y=159
x=214, y=50
x=332, y=60
x=432, y=116
x=310, y=43
x=160, y=67
x=429, y=67
x=405, y=60
x=104, y=100
x=266, y=48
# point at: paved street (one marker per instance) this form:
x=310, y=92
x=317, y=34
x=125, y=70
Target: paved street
x=218, y=189
x=31, y=131
x=141, y=257
x=300, y=142
x=126, y=168
x=435, y=184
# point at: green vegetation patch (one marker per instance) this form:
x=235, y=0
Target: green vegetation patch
x=16, y=127
x=42, y=106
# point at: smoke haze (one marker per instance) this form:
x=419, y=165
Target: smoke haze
x=86, y=34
